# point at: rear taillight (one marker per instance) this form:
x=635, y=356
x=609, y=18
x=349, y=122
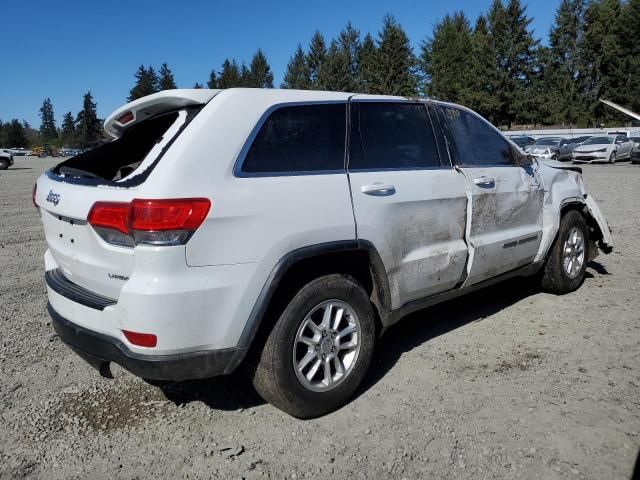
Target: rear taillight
x=149, y=222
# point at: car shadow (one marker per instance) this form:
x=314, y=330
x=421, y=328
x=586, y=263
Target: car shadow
x=233, y=392
x=227, y=392
x=12, y=169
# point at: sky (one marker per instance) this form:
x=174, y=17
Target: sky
x=63, y=49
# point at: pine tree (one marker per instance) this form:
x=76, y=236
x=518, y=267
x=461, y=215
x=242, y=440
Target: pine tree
x=48, y=129
x=15, y=135
x=146, y=83
x=68, y=130
x=297, y=75
x=629, y=28
x=367, y=65
x=166, y=81
x=563, y=77
x=213, y=80
x=230, y=75
x=316, y=57
x=198, y=86
x=396, y=61
x=446, y=56
x=88, y=127
x=335, y=74
x=350, y=45
x=259, y=74
x=245, y=76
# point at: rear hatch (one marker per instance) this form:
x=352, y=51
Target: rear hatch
x=101, y=259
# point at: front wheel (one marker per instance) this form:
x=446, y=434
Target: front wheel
x=566, y=264
x=612, y=157
x=4, y=164
x=319, y=350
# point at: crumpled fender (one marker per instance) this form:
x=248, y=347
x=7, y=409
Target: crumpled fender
x=606, y=243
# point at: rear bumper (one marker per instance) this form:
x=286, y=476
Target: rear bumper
x=99, y=349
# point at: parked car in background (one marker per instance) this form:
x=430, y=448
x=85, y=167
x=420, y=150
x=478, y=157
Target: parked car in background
x=178, y=267
x=609, y=149
x=6, y=158
x=69, y=152
x=19, y=152
x=580, y=140
x=522, y=140
x=635, y=140
x=555, y=148
x=635, y=154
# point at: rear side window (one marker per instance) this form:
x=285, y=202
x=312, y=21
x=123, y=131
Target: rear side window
x=299, y=138
x=388, y=135
x=473, y=141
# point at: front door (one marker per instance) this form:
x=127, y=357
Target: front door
x=505, y=229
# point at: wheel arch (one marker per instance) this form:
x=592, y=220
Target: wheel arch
x=358, y=259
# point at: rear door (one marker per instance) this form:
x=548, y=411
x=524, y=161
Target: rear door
x=407, y=202
x=506, y=208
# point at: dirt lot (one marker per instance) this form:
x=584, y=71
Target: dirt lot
x=505, y=383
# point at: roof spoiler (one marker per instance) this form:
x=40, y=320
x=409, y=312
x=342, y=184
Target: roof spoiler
x=155, y=104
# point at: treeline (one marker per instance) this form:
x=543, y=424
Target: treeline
x=82, y=130
x=493, y=65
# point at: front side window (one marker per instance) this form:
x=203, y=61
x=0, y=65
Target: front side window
x=472, y=141
x=387, y=135
x=299, y=139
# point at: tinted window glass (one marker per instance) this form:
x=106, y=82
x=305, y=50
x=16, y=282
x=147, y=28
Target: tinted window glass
x=300, y=138
x=391, y=135
x=473, y=141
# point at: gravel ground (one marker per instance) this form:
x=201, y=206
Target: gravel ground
x=504, y=383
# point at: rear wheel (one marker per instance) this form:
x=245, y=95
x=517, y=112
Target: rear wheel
x=566, y=265
x=612, y=157
x=319, y=350
x=4, y=164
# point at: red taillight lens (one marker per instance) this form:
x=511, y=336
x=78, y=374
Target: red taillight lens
x=125, y=118
x=110, y=215
x=149, y=222
x=33, y=194
x=162, y=215
x=141, y=339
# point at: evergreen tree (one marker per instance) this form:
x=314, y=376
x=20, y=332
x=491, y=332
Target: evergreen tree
x=367, y=65
x=213, y=80
x=396, y=61
x=245, y=76
x=563, y=77
x=146, y=83
x=604, y=58
x=68, y=130
x=166, y=81
x=446, y=57
x=3, y=140
x=198, y=86
x=514, y=48
x=349, y=43
x=230, y=75
x=48, y=129
x=297, y=75
x=335, y=74
x=88, y=127
x=481, y=74
x=629, y=28
x=316, y=57
x=15, y=135
x=259, y=74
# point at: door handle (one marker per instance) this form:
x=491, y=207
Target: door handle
x=378, y=189
x=485, y=182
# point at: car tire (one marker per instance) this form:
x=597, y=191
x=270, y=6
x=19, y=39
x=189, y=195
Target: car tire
x=612, y=157
x=566, y=265
x=4, y=164
x=277, y=375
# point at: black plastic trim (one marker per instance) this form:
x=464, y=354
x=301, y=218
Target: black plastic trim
x=99, y=349
x=61, y=285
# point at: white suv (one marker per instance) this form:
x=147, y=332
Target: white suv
x=286, y=230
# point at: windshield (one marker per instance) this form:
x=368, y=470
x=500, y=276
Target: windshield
x=547, y=141
x=599, y=141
